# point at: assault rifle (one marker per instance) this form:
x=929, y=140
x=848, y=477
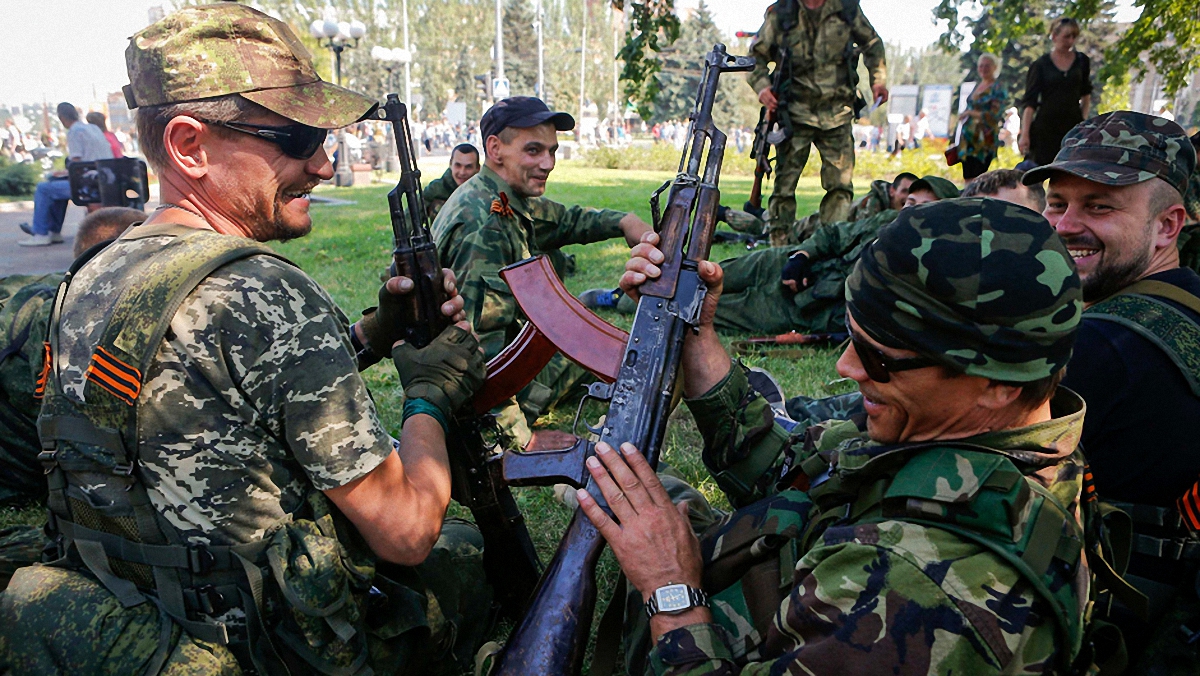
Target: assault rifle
x=553, y=634
x=509, y=558
x=771, y=130
x=774, y=346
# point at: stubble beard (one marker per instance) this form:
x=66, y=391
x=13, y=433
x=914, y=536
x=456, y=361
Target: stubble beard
x=1107, y=280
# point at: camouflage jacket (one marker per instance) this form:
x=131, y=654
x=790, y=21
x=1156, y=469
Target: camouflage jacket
x=25, y=304
x=834, y=248
x=883, y=595
x=437, y=192
x=252, y=400
x=485, y=226
x=876, y=200
x=820, y=93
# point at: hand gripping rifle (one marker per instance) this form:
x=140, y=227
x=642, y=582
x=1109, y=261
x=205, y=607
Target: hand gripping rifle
x=553, y=634
x=509, y=558
x=771, y=130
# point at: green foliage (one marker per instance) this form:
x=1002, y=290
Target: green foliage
x=1165, y=36
x=653, y=26
x=17, y=180
x=735, y=103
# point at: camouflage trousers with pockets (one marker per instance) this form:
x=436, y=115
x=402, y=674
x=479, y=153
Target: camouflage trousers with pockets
x=836, y=147
x=59, y=621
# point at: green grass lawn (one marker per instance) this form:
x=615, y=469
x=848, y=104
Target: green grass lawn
x=350, y=245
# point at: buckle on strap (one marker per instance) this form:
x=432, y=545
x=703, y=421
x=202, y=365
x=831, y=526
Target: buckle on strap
x=1173, y=549
x=210, y=600
x=125, y=470
x=200, y=559
x=49, y=460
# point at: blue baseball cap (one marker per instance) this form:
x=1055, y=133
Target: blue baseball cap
x=521, y=112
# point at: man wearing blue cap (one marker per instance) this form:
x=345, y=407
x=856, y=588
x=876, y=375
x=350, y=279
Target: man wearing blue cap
x=499, y=217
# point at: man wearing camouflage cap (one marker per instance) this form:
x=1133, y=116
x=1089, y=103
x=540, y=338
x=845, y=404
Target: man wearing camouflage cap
x=499, y=217
x=1115, y=196
x=800, y=288
x=904, y=557
x=937, y=534
x=222, y=493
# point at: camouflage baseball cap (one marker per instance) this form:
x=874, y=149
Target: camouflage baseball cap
x=943, y=188
x=216, y=50
x=1123, y=148
x=984, y=286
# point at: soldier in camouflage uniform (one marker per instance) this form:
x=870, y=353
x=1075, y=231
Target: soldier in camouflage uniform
x=1116, y=196
x=758, y=298
x=464, y=163
x=1189, y=239
x=25, y=303
x=939, y=533
x=223, y=496
x=499, y=217
x=881, y=197
x=824, y=38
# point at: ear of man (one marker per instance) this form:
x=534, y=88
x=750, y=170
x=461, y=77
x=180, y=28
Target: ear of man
x=183, y=140
x=1165, y=208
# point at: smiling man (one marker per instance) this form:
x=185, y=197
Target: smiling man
x=499, y=217
x=894, y=534
x=1116, y=198
x=215, y=462
x=464, y=163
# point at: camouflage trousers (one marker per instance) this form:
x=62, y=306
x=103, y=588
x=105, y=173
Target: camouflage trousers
x=836, y=147
x=59, y=621
x=754, y=300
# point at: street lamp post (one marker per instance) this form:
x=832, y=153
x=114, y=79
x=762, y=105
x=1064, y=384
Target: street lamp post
x=338, y=37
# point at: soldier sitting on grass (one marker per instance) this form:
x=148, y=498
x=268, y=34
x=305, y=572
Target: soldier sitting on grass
x=939, y=533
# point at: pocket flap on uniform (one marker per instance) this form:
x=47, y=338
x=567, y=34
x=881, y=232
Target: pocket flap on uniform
x=949, y=475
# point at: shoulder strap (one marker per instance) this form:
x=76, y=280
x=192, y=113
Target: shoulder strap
x=1140, y=308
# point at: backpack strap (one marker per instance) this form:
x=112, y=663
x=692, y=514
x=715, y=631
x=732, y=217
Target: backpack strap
x=1140, y=308
x=114, y=377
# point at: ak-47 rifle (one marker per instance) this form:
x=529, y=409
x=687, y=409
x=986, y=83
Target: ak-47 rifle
x=509, y=559
x=553, y=634
x=771, y=129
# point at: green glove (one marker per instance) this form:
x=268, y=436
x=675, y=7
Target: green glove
x=445, y=373
x=384, y=325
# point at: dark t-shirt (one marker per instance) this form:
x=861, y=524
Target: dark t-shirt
x=1141, y=434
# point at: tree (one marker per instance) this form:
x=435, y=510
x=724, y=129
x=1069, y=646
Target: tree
x=653, y=26
x=681, y=72
x=520, y=47
x=1166, y=35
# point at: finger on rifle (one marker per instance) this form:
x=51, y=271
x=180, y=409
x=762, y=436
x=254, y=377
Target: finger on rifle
x=631, y=482
x=599, y=518
x=711, y=273
x=449, y=282
x=618, y=502
x=646, y=475
x=790, y=284
x=648, y=252
x=453, y=306
x=399, y=285
x=650, y=237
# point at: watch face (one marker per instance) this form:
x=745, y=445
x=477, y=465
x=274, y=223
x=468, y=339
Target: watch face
x=672, y=598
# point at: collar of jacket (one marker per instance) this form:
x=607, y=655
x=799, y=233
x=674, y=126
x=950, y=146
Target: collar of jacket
x=1033, y=447
x=497, y=186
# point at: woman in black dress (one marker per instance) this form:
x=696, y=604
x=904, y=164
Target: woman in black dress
x=1058, y=94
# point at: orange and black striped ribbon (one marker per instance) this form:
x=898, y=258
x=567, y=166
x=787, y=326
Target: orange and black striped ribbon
x=1189, y=507
x=1089, y=485
x=500, y=206
x=120, y=379
x=40, y=390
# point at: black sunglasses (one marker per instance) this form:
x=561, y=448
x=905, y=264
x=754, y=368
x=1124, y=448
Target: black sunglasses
x=879, y=366
x=295, y=140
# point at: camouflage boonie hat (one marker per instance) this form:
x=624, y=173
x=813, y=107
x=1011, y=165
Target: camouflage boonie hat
x=984, y=286
x=215, y=50
x=1123, y=148
x=943, y=188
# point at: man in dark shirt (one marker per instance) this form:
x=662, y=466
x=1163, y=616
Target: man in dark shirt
x=1120, y=217
x=1116, y=198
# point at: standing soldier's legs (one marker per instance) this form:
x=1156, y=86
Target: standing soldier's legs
x=793, y=155
x=836, y=147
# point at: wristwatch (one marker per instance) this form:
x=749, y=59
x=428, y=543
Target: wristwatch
x=675, y=598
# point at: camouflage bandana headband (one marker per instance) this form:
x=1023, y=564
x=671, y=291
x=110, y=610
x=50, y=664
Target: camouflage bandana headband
x=986, y=287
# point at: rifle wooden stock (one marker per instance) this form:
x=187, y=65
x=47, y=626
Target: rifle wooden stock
x=552, y=637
